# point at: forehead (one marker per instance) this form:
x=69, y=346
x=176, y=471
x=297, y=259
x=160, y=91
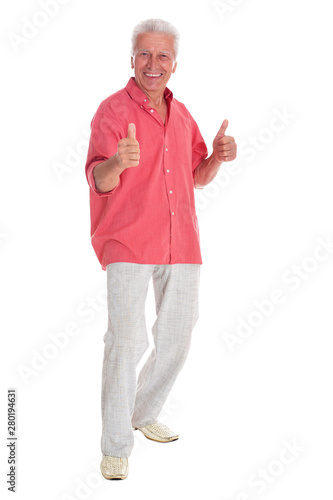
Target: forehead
x=155, y=41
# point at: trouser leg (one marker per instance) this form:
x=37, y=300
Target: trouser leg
x=125, y=342
x=176, y=288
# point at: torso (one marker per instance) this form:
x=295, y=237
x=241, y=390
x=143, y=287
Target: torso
x=162, y=111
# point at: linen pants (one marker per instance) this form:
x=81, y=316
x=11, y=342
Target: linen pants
x=126, y=401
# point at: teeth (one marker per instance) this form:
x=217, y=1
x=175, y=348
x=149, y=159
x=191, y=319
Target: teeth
x=150, y=74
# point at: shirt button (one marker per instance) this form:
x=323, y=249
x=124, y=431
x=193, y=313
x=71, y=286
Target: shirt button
x=145, y=100
x=166, y=149
x=170, y=192
x=173, y=213
x=152, y=111
x=168, y=170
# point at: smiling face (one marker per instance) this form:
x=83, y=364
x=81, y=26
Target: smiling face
x=153, y=62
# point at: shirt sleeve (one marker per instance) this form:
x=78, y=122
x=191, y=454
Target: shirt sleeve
x=199, y=148
x=103, y=144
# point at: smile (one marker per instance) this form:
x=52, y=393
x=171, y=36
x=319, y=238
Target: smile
x=153, y=75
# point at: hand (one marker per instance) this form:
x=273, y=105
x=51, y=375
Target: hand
x=129, y=149
x=224, y=146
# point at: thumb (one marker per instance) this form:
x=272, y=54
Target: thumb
x=223, y=128
x=131, y=131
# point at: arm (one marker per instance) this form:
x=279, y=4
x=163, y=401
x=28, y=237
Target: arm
x=106, y=174
x=224, y=149
x=206, y=171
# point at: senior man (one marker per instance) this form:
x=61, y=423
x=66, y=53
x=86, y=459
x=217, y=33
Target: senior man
x=146, y=155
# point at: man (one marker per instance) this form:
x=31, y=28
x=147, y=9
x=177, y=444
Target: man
x=146, y=155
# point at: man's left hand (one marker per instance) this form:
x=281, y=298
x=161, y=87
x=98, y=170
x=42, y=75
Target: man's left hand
x=224, y=146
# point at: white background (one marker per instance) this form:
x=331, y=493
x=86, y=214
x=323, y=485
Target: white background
x=234, y=409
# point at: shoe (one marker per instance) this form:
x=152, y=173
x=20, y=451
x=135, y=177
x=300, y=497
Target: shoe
x=158, y=432
x=114, y=467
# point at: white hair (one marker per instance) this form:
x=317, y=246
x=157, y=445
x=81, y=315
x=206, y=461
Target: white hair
x=155, y=26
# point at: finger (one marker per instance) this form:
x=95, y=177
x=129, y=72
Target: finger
x=128, y=143
x=226, y=147
x=131, y=131
x=134, y=157
x=231, y=152
x=129, y=149
x=223, y=128
x=226, y=139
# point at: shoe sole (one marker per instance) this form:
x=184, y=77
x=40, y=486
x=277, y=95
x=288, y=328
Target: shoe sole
x=158, y=441
x=114, y=477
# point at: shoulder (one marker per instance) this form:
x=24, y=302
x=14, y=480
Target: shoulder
x=113, y=103
x=180, y=106
x=183, y=112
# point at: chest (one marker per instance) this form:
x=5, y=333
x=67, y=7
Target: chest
x=162, y=111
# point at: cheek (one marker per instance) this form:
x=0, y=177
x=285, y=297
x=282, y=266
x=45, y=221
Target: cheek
x=138, y=67
x=168, y=68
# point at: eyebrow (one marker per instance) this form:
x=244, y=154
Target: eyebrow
x=160, y=52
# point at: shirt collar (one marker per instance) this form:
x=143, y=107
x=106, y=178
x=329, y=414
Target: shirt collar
x=140, y=97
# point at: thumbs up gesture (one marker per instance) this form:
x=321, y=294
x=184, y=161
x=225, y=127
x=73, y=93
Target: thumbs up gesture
x=224, y=146
x=129, y=149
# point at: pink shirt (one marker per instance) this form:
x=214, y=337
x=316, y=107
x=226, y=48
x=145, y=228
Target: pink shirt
x=149, y=217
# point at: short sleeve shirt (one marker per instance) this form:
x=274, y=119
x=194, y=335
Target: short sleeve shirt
x=150, y=216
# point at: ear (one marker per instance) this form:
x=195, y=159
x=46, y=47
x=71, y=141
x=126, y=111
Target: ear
x=132, y=62
x=174, y=67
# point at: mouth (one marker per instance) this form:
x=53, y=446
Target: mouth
x=153, y=76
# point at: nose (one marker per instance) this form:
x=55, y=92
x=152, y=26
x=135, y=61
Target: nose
x=152, y=63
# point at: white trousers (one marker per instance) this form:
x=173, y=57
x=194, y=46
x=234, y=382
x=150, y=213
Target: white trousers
x=126, y=402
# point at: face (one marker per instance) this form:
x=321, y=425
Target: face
x=153, y=61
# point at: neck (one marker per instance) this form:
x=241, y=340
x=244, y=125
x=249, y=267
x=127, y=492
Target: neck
x=156, y=101
x=156, y=98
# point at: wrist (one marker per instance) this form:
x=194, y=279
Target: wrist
x=215, y=160
x=117, y=165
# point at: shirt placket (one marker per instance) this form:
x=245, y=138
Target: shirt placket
x=171, y=191
x=167, y=170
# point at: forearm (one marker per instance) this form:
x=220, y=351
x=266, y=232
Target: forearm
x=206, y=171
x=106, y=174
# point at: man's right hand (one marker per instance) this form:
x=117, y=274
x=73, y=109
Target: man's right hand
x=129, y=149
